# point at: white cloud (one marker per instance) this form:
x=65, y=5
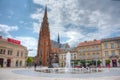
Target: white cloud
x=101, y=15
x=30, y=43
x=36, y=27
x=5, y=29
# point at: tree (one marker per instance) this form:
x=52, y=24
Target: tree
x=29, y=60
x=99, y=62
x=82, y=62
x=75, y=62
x=89, y=62
x=119, y=61
x=108, y=61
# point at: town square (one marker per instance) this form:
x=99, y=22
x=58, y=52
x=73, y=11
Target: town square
x=59, y=40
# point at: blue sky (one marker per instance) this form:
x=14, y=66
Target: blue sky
x=74, y=20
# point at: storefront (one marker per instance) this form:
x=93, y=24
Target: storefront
x=114, y=60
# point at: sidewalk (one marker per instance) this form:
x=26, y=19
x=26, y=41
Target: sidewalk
x=7, y=74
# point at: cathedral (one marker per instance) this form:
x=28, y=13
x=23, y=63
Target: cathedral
x=44, y=45
x=48, y=50
x=45, y=51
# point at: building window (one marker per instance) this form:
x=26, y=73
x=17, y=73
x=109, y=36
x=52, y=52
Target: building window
x=119, y=44
x=20, y=63
x=89, y=55
x=82, y=50
x=88, y=49
x=75, y=56
x=22, y=54
x=2, y=51
x=97, y=55
x=60, y=56
x=106, y=53
x=112, y=45
x=72, y=55
x=97, y=48
x=105, y=45
x=9, y=52
x=113, y=53
x=94, y=54
x=16, y=63
x=64, y=56
x=93, y=48
x=83, y=54
x=17, y=53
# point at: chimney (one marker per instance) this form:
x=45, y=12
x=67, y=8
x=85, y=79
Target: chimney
x=95, y=40
x=85, y=41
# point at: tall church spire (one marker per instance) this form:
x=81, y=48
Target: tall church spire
x=58, y=39
x=45, y=24
x=44, y=45
x=45, y=13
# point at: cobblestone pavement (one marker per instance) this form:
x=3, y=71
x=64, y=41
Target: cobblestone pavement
x=9, y=74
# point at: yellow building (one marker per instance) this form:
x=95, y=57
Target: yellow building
x=12, y=54
x=111, y=51
x=105, y=51
x=90, y=51
x=62, y=59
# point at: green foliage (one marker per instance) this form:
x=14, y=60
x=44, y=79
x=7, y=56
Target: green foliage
x=99, y=62
x=119, y=61
x=82, y=62
x=108, y=61
x=29, y=60
x=76, y=62
x=89, y=62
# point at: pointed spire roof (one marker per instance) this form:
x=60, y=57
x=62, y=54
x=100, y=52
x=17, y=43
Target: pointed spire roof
x=45, y=24
x=58, y=38
x=45, y=13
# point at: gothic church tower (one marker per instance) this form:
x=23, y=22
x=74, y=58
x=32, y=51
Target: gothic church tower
x=44, y=45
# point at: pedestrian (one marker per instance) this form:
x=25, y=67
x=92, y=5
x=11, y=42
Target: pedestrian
x=35, y=65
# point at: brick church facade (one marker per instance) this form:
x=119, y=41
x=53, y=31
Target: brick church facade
x=48, y=50
x=44, y=45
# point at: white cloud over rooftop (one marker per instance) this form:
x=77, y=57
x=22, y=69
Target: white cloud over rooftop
x=5, y=29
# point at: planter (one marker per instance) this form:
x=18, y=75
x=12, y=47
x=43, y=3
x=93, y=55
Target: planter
x=108, y=65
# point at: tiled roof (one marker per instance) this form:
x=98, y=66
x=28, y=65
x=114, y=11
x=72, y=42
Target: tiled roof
x=110, y=39
x=88, y=43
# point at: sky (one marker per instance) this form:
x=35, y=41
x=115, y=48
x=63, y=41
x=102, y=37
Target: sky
x=75, y=20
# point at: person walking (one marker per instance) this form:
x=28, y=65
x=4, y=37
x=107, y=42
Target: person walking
x=35, y=65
